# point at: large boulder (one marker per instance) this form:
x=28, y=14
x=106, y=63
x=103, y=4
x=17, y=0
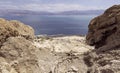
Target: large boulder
x=17, y=52
x=14, y=28
x=104, y=30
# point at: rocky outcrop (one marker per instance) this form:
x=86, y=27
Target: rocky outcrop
x=17, y=54
x=104, y=30
x=104, y=34
x=14, y=28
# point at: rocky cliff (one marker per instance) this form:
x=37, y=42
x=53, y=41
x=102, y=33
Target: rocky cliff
x=104, y=34
x=104, y=30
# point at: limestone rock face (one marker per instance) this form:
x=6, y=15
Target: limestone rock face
x=104, y=30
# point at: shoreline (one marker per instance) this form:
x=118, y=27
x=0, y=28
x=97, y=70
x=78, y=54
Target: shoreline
x=58, y=35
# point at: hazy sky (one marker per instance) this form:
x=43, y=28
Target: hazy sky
x=57, y=5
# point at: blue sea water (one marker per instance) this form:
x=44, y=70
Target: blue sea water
x=55, y=24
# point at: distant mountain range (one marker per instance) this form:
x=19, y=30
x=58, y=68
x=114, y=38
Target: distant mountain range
x=28, y=12
x=87, y=12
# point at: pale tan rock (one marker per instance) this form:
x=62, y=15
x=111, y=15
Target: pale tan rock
x=14, y=28
x=18, y=55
